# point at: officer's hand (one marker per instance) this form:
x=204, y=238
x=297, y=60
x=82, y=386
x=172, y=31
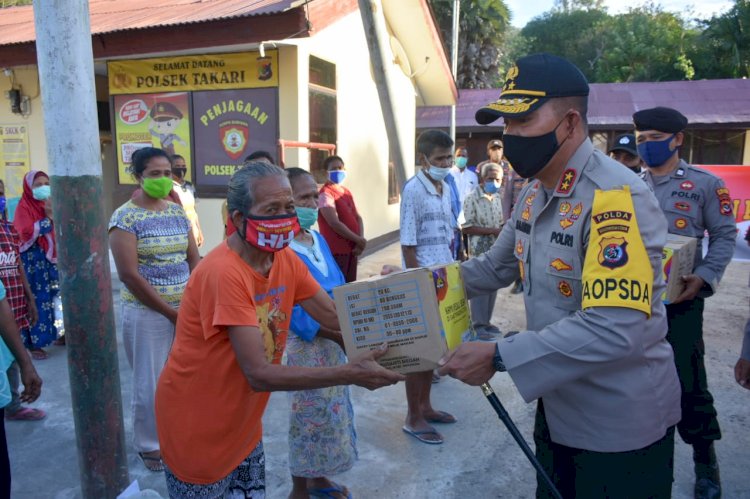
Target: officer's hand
x=693, y=284
x=470, y=362
x=742, y=373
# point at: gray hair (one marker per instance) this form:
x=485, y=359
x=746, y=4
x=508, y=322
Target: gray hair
x=241, y=186
x=490, y=166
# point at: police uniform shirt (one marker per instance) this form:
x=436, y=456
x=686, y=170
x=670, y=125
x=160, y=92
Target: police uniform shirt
x=606, y=373
x=694, y=201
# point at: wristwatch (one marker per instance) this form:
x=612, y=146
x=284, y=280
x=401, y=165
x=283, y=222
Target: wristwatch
x=497, y=360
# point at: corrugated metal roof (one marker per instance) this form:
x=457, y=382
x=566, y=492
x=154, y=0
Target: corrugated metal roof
x=17, y=23
x=704, y=102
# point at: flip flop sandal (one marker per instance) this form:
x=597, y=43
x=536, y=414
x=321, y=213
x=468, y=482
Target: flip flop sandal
x=39, y=354
x=154, y=464
x=419, y=435
x=443, y=418
x=330, y=491
x=26, y=414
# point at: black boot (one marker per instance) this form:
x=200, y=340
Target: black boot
x=707, y=480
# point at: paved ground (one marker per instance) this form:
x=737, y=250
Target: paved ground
x=478, y=459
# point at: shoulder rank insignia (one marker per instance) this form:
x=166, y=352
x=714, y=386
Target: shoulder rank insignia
x=566, y=181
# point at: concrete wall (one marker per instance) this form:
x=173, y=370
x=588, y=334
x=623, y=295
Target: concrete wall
x=26, y=77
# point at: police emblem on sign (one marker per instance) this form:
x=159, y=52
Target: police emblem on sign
x=234, y=135
x=614, y=252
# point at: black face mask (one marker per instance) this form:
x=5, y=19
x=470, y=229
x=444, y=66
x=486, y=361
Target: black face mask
x=529, y=155
x=180, y=172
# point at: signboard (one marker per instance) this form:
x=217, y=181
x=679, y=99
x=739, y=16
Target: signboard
x=14, y=158
x=151, y=120
x=229, y=125
x=194, y=73
x=737, y=180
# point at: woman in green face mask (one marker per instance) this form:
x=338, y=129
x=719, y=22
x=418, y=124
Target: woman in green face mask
x=311, y=345
x=154, y=251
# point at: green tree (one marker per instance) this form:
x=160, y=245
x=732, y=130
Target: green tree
x=571, y=5
x=573, y=35
x=14, y=3
x=515, y=46
x=482, y=26
x=645, y=44
x=723, y=48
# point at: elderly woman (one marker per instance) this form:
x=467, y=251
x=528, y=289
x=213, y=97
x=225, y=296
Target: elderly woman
x=33, y=222
x=483, y=211
x=231, y=334
x=322, y=439
x=154, y=252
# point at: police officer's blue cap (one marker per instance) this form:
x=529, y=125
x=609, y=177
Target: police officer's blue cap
x=624, y=142
x=531, y=82
x=663, y=119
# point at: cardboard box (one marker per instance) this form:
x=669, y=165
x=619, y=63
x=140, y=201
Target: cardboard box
x=419, y=312
x=677, y=259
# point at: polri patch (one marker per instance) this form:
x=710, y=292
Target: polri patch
x=526, y=213
x=560, y=265
x=565, y=289
x=614, y=252
x=725, y=201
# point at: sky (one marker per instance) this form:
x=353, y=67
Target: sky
x=524, y=10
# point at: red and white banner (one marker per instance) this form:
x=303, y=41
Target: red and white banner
x=737, y=179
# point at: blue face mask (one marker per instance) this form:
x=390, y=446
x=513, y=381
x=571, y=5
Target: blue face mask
x=306, y=216
x=491, y=186
x=3, y=203
x=656, y=152
x=461, y=162
x=438, y=173
x=337, y=176
x=41, y=193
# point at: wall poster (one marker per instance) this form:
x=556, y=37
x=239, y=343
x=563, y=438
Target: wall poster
x=14, y=162
x=227, y=126
x=151, y=120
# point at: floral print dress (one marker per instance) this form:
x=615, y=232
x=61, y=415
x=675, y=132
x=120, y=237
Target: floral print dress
x=322, y=438
x=43, y=279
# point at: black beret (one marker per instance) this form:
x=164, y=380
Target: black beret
x=663, y=119
x=531, y=82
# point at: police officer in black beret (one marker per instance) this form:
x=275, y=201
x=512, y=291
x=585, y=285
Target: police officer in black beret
x=694, y=201
x=586, y=239
x=624, y=151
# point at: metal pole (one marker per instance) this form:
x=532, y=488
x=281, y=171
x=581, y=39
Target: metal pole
x=454, y=62
x=66, y=74
x=513, y=429
x=377, y=40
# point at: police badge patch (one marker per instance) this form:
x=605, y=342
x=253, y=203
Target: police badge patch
x=614, y=252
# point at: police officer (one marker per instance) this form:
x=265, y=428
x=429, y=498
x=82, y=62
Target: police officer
x=586, y=239
x=693, y=201
x=624, y=151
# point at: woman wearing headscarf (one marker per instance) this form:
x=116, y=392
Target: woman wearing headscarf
x=33, y=222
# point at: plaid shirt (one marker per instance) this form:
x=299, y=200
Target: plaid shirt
x=10, y=260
